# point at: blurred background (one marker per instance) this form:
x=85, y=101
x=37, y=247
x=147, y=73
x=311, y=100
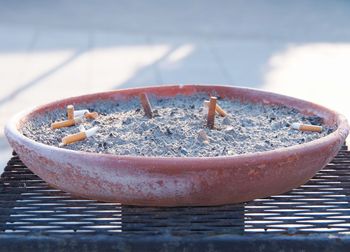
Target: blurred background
x=55, y=49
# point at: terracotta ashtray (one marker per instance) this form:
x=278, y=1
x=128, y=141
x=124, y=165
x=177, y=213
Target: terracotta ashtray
x=178, y=180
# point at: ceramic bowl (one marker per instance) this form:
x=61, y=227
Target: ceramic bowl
x=179, y=181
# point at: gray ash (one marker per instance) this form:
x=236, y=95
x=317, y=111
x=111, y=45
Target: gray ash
x=173, y=131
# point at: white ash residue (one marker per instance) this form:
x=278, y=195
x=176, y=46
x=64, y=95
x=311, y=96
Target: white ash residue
x=174, y=129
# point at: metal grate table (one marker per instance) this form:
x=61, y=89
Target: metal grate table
x=315, y=216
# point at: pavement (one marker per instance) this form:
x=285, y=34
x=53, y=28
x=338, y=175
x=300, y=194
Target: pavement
x=55, y=49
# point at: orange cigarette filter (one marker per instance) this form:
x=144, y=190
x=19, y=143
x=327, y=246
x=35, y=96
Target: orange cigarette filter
x=211, y=112
x=146, y=105
x=218, y=109
x=74, y=138
x=91, y=115
x=66, y=123
x=306, y=127
x=70, y=112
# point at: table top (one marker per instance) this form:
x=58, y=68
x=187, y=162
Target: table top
x=315, y=216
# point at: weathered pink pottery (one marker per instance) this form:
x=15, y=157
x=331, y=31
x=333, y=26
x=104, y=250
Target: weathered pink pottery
x=179, y=181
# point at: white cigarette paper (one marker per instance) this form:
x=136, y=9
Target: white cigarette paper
x=82, y=128
x=91, y=132
x=79, y=113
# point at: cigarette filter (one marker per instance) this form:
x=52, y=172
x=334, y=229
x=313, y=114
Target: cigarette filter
x=91, y=115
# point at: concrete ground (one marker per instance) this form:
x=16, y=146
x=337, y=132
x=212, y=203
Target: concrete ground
x=55, y=49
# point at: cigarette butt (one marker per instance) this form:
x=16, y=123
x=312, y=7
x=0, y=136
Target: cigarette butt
x=61, y=124
x=218, y=109
x=146, y=105
x=211, y=112
x=202, y=135
x=86, y=113
x=66, y=123
x=306, y=127
x=70, y=112
x=91, y=115
x=78, y=136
